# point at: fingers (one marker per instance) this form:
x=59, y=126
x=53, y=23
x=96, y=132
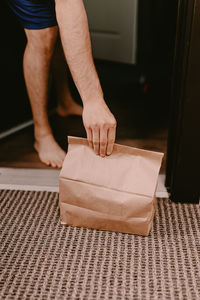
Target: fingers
x=101, y=138
x=95, y=139
x=111, y=140
x=103, y=141
x=89, y=136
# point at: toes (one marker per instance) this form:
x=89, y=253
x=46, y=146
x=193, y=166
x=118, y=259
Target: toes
x=53, y=164
x=60, y=163
x=46, y=162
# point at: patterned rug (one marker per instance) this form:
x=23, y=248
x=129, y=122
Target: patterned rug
x=42, y=259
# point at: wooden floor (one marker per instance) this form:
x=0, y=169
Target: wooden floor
x=17, y=150
x=141, y=122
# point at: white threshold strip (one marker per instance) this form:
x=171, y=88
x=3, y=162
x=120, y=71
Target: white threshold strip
x=48, y=180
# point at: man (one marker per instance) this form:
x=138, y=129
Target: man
x=43, y=22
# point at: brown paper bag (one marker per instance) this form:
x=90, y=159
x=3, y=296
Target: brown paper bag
x=116, y=192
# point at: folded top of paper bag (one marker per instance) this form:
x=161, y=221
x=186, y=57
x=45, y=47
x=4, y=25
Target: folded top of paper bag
x=127, y=169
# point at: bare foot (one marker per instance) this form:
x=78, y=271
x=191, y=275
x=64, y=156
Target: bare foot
x=70, y=108
x=49, y=151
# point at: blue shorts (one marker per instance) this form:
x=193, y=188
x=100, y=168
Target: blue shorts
x=34, y=14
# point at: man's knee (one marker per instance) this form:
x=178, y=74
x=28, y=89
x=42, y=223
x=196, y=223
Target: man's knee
x=42, y=40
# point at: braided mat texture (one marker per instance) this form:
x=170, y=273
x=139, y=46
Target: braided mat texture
x=42, y=259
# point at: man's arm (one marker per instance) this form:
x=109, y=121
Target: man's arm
x=99, y=122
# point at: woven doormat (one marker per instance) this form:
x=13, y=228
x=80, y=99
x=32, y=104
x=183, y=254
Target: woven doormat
x=42, y=259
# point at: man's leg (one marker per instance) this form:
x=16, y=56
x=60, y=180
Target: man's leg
x=66, y=104
x=37, y=60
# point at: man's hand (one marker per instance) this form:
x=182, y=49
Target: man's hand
x=100, y=125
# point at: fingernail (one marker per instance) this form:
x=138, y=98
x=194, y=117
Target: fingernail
x=102, y=155
x=108, y=153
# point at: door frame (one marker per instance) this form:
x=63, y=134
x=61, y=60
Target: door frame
x=183, y=149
